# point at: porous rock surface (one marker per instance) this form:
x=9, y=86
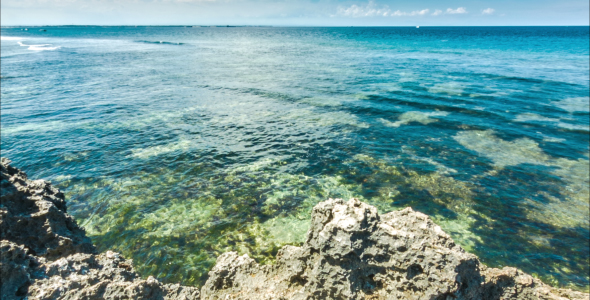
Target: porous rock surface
x=46, y=255
x=351, y=252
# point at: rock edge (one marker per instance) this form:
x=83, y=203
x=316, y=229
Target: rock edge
x=350, y=252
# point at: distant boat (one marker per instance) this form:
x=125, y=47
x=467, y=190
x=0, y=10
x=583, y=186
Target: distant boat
x=417, y=26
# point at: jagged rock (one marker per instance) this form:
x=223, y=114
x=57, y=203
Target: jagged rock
x=15, y=269
x=351, y=252
x=104, y=276
x=46, y=255
x=34, y=215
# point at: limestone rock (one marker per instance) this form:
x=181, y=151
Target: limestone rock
x=34, y=215
x=104, y=276
x=353, y=253
x=46, y=255
x=350, y=252
x=15, y=269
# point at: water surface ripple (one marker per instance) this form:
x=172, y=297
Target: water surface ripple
x=176, y=144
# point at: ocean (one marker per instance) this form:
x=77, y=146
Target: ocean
x=176, y=144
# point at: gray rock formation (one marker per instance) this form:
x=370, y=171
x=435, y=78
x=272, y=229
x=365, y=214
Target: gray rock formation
x=34, y=215
x=46, y=255
x=351, y=252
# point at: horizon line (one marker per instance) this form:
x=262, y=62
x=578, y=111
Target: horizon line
x=325, y=26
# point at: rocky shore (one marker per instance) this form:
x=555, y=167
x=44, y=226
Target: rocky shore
x=351, y=252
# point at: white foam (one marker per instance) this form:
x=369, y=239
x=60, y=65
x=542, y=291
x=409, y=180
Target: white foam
x=11, y=38
x=42, y=47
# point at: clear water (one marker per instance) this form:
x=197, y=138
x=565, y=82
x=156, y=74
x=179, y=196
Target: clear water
x=176, y=144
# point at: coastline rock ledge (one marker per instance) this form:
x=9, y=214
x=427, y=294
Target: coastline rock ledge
x=350, y=252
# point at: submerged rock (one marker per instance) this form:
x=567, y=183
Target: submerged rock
x=351, y=252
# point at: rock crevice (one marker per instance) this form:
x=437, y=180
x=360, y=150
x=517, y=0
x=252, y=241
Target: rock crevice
x=46, y=255
x=350, y=252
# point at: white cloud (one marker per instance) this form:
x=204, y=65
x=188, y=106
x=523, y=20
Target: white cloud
x=421, y=12
x=459, y=10
x=414, y=13
x=368, y=10
x=186, y=1
x=371, y=10
x=437, y=12
x=488, y=11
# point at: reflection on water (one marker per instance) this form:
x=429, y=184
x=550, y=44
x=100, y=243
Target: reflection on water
x=174, y=154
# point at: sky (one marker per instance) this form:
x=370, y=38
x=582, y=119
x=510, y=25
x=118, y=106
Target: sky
x=296, y=12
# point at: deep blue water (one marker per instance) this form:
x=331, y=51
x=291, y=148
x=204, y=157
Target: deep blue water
x=176, y=144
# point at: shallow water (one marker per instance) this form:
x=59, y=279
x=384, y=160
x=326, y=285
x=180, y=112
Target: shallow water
x=176, y=144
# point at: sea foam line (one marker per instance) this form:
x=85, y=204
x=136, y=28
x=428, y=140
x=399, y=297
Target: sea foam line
x=11, y=38
x=39, y=47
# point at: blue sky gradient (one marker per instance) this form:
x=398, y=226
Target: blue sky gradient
x=295, y=12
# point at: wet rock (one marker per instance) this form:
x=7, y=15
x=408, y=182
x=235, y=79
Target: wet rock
x=350, y=252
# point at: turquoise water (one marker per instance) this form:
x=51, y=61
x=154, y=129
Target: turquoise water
x=176, y=144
